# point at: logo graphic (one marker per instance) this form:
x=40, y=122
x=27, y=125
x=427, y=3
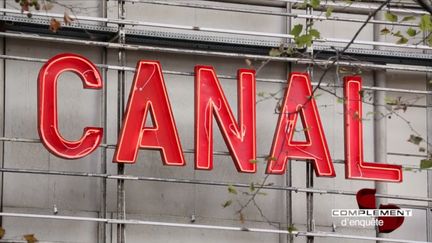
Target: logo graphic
x=366, y=200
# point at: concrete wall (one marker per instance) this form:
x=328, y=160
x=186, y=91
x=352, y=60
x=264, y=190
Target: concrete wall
x=169, y=202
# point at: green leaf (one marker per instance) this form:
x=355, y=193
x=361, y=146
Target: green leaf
x=408, y=18
x=252, y=187
x=425, y=164
x=227, y=204
x=391, y=17
x=415, y=139
x=304, y=40
x=370, y=113
x=408, y=169
x=30, y=238
x=315, y=33
x=253, y=161
x=329, y=11
x=340, y=100
x=429, y=40
x=385, y=31
x=402, y=40
x=398, y=34
x=292, y=228
x=275, y=52
x=411, y=32
x=296, y=30
x=425, y=23
x=390, y=100
x=231, y=189
x=261, y=94
x=345, y=70
x=315, y=3
x=270, y=158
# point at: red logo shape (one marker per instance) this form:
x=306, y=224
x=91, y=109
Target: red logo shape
x=366, y=200
x=390, y=223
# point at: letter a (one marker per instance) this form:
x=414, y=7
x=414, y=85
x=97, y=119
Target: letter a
x=148, y=95
x=298, y=102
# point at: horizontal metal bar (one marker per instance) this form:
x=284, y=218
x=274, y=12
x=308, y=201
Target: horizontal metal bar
x=204, y=227
x=413, y=206
x=396, y=90
x=334, y=235
x=343, y=6
x=25, y=241
x=267, y=12
x=214, y=53
x=56, y=173
x=39, y=216
x=225, y=153
x=224, y=31
x=131, y=69
x=408, y=155
x=207, y=183
x=359, y=6
x=21, y=140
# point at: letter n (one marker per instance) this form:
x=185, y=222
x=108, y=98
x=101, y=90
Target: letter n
x=239, y=136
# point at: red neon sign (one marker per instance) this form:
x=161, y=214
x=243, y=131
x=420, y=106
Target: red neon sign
x=355, y=166
x=240, y=137
x=366, y=200
x=47, y=106
x=148, y=95
x=299, y=103
x=148, y=99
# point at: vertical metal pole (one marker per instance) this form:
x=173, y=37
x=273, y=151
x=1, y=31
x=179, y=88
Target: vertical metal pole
x=288, y=174
x=121, y=196
x=3, y=125
x=309, y=201
x=428, y=77
x=380, y=120
x=380, y=128
x=309, y=168
x=288, y=183
x=103, y=165
x=429, y=148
